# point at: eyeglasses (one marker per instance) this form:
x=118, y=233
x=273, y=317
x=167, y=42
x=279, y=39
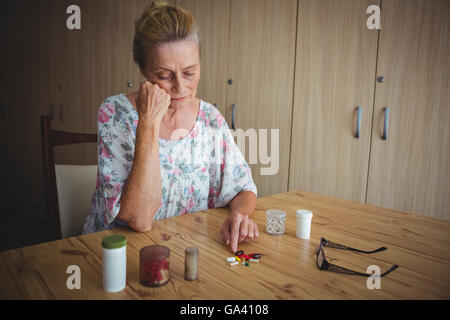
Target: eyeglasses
x=323, y=264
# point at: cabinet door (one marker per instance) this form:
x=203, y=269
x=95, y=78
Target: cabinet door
x=410, y=170
x=212, y=17
x=28, y=94
x=334, y=74
x=261, y=60
x=98, y=63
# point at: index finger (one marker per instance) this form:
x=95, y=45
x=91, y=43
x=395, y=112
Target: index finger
x=234, y=234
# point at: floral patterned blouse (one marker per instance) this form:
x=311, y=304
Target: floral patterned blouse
x=203, y=170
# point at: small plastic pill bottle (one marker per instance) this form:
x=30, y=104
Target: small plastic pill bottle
x=154, y=265
x=191, y=263
x=275, y=221
x=303, y=230
x=114, y=262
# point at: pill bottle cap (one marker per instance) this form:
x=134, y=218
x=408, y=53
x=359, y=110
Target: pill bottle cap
x=275, y=213
x=304, y=213
x=114, y=241
x=154, y=252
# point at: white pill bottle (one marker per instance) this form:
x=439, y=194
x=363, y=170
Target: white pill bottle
x=303, y=230
x=114, y=262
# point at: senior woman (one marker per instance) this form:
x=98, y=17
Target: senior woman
x=148, y=139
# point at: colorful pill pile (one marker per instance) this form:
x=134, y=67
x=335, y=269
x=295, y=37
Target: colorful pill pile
x=154, y=273
x=244, y=259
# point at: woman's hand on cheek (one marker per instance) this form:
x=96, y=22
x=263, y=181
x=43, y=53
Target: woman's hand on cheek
x=237, y=228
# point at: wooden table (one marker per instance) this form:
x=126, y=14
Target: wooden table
x=419, y=245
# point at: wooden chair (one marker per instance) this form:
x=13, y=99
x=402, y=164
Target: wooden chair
x=49, y=139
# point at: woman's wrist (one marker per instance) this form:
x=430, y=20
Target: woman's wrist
x=149, y=125
x=147, y=131
x=146, y=146
x=243, y=203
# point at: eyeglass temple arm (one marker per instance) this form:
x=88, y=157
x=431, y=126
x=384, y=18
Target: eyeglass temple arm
x=334, y=268
x=335, y=245
x=389, y=271
x=362, y=251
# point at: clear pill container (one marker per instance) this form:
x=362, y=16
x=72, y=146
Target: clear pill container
x=114, y=260
x=275, y=222
x=154, y=266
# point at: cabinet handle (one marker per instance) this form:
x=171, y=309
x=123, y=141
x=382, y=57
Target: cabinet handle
x=386, y=123
x=358, y=122
x=233, y=110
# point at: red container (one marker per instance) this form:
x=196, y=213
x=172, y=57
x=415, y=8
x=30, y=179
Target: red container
x=154, y=266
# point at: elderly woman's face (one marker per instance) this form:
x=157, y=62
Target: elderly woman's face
x=175, y=67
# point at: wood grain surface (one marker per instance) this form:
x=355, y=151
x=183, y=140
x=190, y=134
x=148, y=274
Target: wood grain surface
x=287, y=270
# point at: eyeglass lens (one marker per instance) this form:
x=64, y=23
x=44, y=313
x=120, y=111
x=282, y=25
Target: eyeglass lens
x=320, y=258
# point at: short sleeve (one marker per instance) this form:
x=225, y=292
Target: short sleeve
x=235, y=173
x=115, y=157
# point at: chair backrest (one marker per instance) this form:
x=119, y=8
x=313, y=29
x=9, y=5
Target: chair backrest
x=49, y=139
x=75, y=186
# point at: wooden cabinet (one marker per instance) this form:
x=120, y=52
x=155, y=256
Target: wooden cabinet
x=213, y=19
x=338, y=60
x=334, y=75
x=29, y=27
x=329, y=67
x=301, y=67
x=247, y=58
x=97, y=62
x=410, y=170
x=262, y=53
x=64, y=73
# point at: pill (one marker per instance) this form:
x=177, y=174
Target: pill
x=244, y=256
x=254, y=260
x=246, y=264
x=238, y=253
x=255, y=255
x=238, y=259
x=234, y=263
x=231, y=259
